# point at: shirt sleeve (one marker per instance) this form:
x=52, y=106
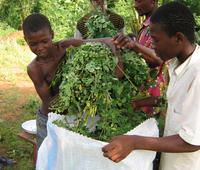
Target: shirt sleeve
x=122, y=30
x=190, y=127
x=77, y=34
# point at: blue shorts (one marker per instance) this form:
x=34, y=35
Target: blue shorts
x=41, y=123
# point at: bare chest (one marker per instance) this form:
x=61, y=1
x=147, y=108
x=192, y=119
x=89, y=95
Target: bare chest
x=49, y=71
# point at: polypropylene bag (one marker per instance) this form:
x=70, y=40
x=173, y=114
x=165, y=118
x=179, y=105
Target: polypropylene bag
x=65, y=150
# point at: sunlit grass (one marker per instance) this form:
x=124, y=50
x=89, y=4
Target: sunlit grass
x=13, y=53
x=5, y=29
x=14, y=60
x=12, y=115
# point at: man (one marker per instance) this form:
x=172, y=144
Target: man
x=172, y=32
x=142, y=44
x=39, y=35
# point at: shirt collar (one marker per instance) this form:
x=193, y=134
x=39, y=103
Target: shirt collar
x=180, y=69
x=147, y=22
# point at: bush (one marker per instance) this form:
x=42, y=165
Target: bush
x=64, y=15
x=14, y=12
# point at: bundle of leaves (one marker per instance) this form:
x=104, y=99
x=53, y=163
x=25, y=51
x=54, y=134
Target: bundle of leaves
x=99, y=25
x=89, y=88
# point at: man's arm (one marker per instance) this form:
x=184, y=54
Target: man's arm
x=41, y=87
x=148, y=102
x=66, y=43
x=148, y=54
x=120, y=146
x=123, y=41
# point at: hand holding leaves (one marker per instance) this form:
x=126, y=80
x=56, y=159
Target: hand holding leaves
x=124, y=41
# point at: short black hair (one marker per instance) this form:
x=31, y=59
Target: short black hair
x=175, y=17
x=36, y=22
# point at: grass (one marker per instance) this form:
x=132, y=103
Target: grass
x=12, y=115
x=14, y=60
x=5, y=29
x=18, y=100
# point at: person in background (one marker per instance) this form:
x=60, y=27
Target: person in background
x=49, y=56
x=115, y=19
x=142, y=44
x=172, y=31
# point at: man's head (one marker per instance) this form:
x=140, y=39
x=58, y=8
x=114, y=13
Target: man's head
x=38, y=34
x=97, y=3
x=171, y=28
x=145, y=7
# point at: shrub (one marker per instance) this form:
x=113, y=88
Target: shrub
x=14, y=12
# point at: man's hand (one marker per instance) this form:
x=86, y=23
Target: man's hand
x=119, y=147
x=124, y=41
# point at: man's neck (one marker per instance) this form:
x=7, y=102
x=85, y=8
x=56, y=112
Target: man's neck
x=147, y=15
x=186, y=53
x=45, y=60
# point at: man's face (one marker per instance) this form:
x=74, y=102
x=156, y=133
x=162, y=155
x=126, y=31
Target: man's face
x=165, y=47
x=97, y=2
x=40, y=42
x=143, y=7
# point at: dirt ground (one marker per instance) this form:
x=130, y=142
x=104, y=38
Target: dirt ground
x=23, y=85
x=18, y=34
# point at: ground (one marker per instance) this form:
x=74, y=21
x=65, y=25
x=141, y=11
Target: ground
x=18, y=103
x=18, y=34
x=23, y=85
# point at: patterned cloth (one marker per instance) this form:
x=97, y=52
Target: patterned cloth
x=145, y=39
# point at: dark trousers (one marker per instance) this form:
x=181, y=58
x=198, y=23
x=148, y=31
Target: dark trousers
x=41, y=123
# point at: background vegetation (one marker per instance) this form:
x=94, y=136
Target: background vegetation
x=17, y=101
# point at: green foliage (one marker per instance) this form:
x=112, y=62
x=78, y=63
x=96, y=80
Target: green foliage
x=5, y=29
x=10, y=52
x=31, y=105
x=99, y=26
x=88, y=88
x=21, y=41
x=126, y=10
x=197, y=32
x=194, y=5
x=64, y=16
x=14, y=12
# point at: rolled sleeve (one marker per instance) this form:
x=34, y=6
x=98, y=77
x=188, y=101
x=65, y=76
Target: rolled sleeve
x=190, y=126
x=77, y=34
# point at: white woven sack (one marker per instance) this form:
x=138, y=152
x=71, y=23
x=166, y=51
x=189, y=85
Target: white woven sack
x=65, y=150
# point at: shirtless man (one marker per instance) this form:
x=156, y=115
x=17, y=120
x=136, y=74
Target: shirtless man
x=39, y=35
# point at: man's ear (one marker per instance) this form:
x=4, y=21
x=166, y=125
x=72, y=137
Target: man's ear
x=180, y=38
x=52, y=34
x=25, y=39
x=155, y=2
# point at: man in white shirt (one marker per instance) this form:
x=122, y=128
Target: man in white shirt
x=172, y=31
